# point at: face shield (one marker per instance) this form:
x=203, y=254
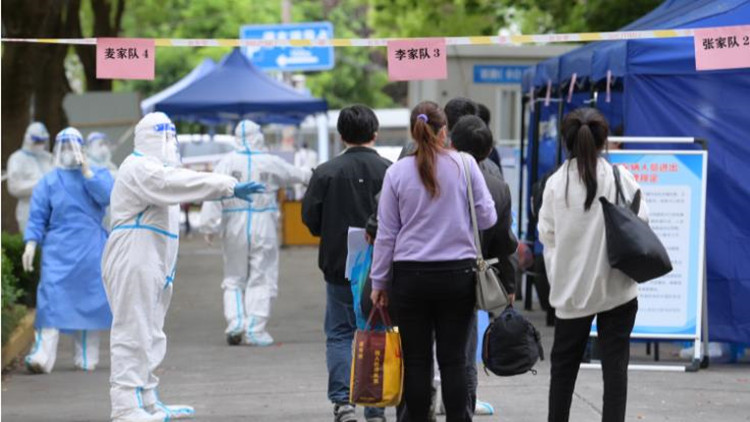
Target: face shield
x=97, y=148
x=36, y=138
x=68, y=151
x=170, y=151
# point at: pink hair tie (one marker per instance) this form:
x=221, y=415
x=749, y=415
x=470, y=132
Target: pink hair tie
x=423, y=117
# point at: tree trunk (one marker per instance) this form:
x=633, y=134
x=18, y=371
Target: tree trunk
x=33, y=74
x=16, y=104
x=51, y=84
x=104, y=26
x=21, y=19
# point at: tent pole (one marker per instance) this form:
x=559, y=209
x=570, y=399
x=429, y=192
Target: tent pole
x=530, y=221
x=322, y=119
x=521, y=168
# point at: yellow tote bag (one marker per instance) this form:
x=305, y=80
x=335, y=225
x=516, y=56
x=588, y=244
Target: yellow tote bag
x=377, y=365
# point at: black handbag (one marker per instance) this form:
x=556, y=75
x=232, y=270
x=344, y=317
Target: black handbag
x=632, y=247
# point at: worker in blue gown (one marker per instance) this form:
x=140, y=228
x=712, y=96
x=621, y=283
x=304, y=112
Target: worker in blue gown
x=67, y=208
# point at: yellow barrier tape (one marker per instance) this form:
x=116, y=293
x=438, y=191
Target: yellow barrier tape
x=379, y=42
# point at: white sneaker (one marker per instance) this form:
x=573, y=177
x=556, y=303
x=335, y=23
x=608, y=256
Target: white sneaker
x=175, y=411
x=90, y=368
x=141, y=415
x=258, y=338
x=482, y=408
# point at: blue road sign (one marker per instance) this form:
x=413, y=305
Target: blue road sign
x=288, y=59
x=498, y=74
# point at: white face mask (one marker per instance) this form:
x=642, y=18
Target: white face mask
x=68, y=159
x=99, y=152
x=38, y=147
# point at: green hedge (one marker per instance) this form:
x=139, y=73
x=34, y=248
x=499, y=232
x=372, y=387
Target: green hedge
x=13, y=246
x=12, y=312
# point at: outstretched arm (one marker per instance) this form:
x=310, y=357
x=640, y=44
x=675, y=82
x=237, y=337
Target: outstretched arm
x=164, y=186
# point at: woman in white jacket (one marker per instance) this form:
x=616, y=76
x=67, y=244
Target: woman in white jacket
x=582, y=283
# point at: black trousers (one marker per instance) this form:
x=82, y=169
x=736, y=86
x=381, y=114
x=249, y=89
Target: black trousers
x=435, y=300
x=571, y=335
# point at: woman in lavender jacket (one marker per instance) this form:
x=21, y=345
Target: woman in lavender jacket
x=425, y=247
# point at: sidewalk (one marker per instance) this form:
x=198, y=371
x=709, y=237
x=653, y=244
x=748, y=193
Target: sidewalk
x=287, y=381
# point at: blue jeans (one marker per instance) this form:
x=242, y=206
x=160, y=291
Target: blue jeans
x=340, y=325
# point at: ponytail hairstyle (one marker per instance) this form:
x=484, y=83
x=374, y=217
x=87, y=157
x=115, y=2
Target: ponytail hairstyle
x=427, y=119
x=585, y=133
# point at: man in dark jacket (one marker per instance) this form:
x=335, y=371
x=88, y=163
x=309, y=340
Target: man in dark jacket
x=341, y=194
x=471, y=135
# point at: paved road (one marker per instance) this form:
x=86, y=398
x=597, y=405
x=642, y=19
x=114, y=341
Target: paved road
x=287, y=382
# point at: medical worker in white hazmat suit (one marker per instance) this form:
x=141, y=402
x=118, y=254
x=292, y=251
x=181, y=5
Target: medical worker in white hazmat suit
x=99, y=152
x=249, y=233
x=26, y=167
x=140, y=260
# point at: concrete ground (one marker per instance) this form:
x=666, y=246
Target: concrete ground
x=287, y=382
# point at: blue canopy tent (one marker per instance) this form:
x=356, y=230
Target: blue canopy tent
x=206, y=66
x=656, y=91
x=234, y=90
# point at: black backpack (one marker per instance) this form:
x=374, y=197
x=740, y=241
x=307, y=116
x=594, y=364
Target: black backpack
x=511, y=345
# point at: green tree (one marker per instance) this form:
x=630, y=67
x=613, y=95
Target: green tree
x=360, y=74
x=543, y=16
x=432, y=18
x=188, y=19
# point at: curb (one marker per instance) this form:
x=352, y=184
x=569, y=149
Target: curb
x=20, y=340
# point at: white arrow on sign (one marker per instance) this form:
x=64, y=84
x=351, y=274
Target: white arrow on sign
x=283, y=60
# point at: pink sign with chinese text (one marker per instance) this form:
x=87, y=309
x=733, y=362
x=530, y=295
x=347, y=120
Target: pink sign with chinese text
x=410, y=60
x=125, y=58
x=722, y=48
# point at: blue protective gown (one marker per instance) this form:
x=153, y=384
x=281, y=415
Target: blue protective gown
x=66, y=220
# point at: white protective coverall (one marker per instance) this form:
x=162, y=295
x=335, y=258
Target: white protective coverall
x=249, y=233
x=140, y=260
x=304, y=158
x=26, y=167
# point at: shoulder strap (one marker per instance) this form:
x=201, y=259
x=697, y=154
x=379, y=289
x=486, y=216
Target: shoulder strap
x=472, y=211
x=618, y=186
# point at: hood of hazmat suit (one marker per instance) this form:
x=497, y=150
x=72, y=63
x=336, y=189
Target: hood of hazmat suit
x=156, y=136
x=249, y=137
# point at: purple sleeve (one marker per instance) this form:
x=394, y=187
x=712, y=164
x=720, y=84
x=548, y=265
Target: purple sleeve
x=483, y=203
x=389, y=224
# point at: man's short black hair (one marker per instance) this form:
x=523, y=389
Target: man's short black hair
x=484, y=113
x=357, y=124
x=473, y=136
x=457, y=108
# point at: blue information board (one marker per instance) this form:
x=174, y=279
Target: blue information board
x=674, y=188
x=289, y=59
x=498, y=74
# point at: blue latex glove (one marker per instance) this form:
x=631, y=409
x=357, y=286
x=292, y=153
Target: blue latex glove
x=246, y=189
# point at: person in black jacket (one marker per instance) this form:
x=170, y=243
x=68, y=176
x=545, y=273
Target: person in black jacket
x=341, y=194
x=472, y=136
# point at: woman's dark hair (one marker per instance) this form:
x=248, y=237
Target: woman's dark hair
x=585, y=132
x=473, y=136
x=427, y=119
x=357, y=124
